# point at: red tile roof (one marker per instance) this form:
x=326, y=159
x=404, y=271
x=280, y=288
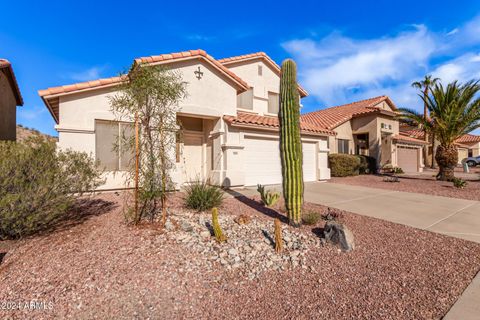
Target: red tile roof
x=407, y=139
x=7, y=67
x=106, y=82
x=331, y=118
x=468, y=138
x=465, y=139
x=414, y=133
x=271, y=122
x=258, y=55
x=164, y=58
x=192, y=54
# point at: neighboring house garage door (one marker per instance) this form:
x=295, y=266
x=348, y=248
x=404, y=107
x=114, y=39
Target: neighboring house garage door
x=462, y=154
x=407, y=158
x=263, y=165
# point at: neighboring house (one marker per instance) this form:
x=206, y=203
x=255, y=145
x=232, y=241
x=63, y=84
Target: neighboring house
x=472, y=143
x=229, y=120
x=467, y=145
x=369, y=127
x=10, y=98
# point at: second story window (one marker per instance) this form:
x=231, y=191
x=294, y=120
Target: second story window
x=273, y=102
x=245, y=99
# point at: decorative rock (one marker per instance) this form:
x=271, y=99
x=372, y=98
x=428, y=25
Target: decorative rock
x=232, y=252
x=243, y=219
x=205, y=234
x=338, y=234
x=186, y=226
x=169, y=226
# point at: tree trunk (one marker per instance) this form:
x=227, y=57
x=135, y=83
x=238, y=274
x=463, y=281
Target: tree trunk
x=447, y=159
x=433, y=151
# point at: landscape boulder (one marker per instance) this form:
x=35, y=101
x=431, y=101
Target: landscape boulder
x=338, y=234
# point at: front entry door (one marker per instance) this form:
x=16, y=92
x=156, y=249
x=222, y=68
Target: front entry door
x=193, y=157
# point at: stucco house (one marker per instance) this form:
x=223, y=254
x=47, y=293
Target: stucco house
x=10, y=98
x=229, y=120
x=472, y=144
x=467, y=145
x=369, y=127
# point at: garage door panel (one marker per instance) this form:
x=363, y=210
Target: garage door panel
x=263, y=164
x=309, y=161
x=407, y=158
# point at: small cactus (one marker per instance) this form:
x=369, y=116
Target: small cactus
x=278, y=236
x=217, y=230
x=269, y=198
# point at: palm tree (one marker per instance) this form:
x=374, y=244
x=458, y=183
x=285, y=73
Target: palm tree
x=425, y=86
x=455, y=111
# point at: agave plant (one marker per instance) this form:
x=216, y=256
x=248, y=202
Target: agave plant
x=454, y=111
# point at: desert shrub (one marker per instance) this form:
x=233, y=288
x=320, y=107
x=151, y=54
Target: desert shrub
x=38, y=184
x=269, y=198
x=398, y=170
x=332, y=214
x=201, y=196
x=368, y=165
x=311, y=218
x=459, y=183
x=342, y=165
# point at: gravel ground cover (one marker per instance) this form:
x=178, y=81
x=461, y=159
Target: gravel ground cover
x=101, y=268
x=415, y=183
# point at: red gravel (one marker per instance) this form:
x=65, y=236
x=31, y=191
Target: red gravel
x=418, y=184
x=100, y=268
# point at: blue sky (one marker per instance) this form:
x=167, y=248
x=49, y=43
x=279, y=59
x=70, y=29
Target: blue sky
x=346, y=50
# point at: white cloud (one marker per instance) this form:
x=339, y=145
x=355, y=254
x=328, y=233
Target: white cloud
x=87, y=75
x=199, y=37
x=338, y=69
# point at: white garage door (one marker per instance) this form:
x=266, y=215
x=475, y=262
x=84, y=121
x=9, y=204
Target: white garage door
x=263, y=165
x=407, y=158
x=309, y=162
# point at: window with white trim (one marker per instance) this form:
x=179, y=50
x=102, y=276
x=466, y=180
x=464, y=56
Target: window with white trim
x=343, y=146
x=273, y=102
x=111, y=144
x=245, y=99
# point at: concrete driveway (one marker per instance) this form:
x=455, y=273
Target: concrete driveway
x=454, y=217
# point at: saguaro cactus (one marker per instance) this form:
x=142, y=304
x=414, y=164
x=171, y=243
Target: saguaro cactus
x=290, y=142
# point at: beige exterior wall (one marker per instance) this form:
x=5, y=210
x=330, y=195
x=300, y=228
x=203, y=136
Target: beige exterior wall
x=380, y=129
x=8, y=110
x=269, y=81
x=475, y=148
x=208, y=100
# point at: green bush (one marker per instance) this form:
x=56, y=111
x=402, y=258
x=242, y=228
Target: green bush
x=201, y=196
x=459, y=183
x=38, y=185
x=311, y=218
x=398, y=170
x=368, y=165
x=343, y=165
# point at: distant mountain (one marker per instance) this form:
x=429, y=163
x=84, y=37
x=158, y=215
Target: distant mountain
x=25, y=132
